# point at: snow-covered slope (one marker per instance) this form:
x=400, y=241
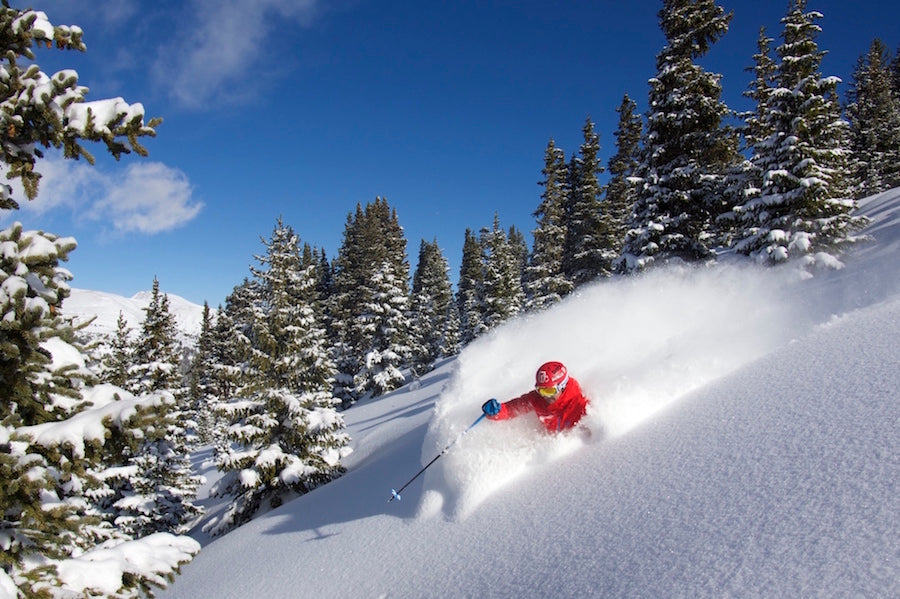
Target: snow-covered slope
x=743, y=441
x=85, y=304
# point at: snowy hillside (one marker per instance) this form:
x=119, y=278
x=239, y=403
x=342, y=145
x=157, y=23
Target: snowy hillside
x=743, y=441
x=84, y=304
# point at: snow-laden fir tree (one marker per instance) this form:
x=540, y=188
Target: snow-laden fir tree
x=384, y=323
x=45, y=500
x=370, y=305
x=518, y=246
x=545, y=283
x=286, y=435
x=758, y=126
x=584, y=257
x=502, y=282
x=803, y=209
x=433, y=315
x=35, y=391
x=746, y=177
x=687, y=150
x=228, y=349
x=156, y=354
x=116, y=362
x=42, y=111
x=158, y=495
x=873, y=112
x=154, y=489
x=621, y=190
x=470, y=290
x=201, y=378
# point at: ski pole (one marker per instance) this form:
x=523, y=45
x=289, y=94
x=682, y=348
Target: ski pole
x=396, y=494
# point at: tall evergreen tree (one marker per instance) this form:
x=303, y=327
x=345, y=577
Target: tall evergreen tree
x=503, y=295
x=202, y=377
x=583, y=255
x=895, y=73
x=621, y=191
x=116, y=363
x=43, y=506
x=286, y=435
x=158, y=493
x=518, y=247
x=227, y=348
x=470, y=290
x=873, y=112
x=758, y=126
x=433, y=314
x=156, y=353
x=371, y=283
x=35, y=391
x=158, y=497
x=802, y=209
x=687, y=149
x=545, y=283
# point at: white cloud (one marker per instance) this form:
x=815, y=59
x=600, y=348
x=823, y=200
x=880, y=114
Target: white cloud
x=221, y=42
x=149, y=198
x=144, y=197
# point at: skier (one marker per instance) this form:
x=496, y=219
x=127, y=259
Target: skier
x=557, y=400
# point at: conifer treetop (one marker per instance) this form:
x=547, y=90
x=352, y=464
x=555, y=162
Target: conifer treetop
x=40, y=111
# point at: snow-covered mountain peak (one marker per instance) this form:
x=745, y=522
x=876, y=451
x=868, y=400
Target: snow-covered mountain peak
x=85, y=304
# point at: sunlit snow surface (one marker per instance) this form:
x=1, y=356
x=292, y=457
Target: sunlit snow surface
x=743, y=442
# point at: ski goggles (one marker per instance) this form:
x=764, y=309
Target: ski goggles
x=548, y=392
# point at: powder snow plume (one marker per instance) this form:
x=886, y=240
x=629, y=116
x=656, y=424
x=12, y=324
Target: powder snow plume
x=635, y=344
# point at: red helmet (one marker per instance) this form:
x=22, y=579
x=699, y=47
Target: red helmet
x=551, y=378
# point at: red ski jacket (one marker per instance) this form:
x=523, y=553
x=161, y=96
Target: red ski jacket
x=562, y=414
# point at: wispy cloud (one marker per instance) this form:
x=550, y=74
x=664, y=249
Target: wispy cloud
x=109, y=12
x=150, y=197
x=220, y=42
x=144, y=197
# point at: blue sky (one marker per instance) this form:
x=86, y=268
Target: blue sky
x=304, y=108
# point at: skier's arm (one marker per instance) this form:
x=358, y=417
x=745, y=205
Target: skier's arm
x=511, y=408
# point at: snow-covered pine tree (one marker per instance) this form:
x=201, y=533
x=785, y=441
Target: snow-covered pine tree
x=371, y=283
x=286, y=435
x=470, y=290
x=115, y=364
x=201, y=378
x=57, y=116
x=36, y=390
x=746, y=177
x=545, y=283
x=518, y=246
x=433, y=316
x=156, y=486
x=43, y=501
x=155, y=357
x=873, y=112
x=687, y=149
x=758, y=126
x=621, y=191
x=803, y=209
x=34, y=286
x=158, y=495
x=583, y=254
x=384, y=323
x=503, y=294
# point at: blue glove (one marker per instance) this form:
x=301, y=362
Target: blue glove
x=491, y=407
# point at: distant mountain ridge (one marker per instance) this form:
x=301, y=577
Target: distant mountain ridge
x=85, y=304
